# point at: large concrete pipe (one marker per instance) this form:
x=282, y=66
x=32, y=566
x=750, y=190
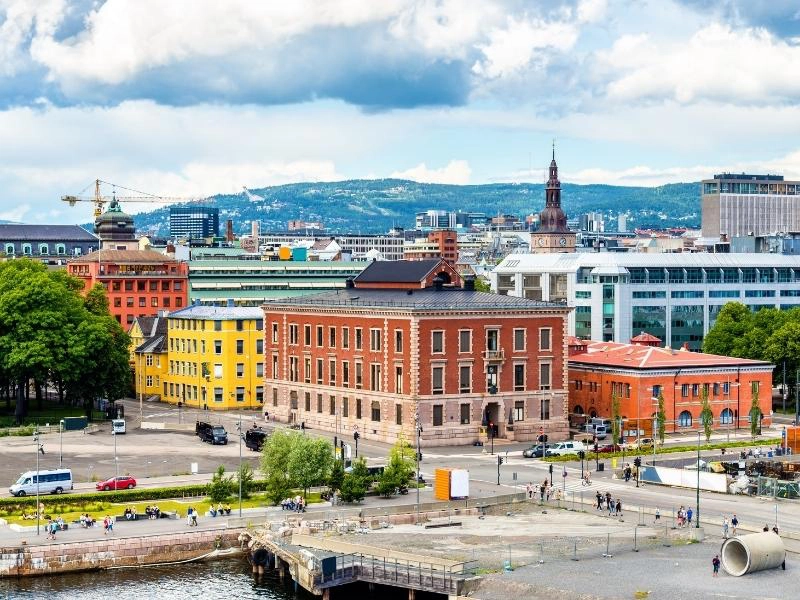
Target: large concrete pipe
x=752, y=552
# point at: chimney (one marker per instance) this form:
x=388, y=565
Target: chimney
x=229, y=230
x=469, y=283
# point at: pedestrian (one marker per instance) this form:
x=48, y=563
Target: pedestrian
x=734, y=524
x=529, y=490
x=599, y=500
x=105, y=525
x=110, y=524
x=611, y=507
x=715, y=564
x=658, y=515
x=608, y=498
x=618, y=508
x=627, y=474
x=689, y=514
x=725, y=527
x=542, y=489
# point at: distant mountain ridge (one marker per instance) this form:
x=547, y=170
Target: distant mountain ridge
x=376, y=205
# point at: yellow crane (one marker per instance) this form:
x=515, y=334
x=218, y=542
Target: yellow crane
x=99, y=200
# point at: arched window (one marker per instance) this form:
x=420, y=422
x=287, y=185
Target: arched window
x=44, y=249
x=685, y=419
x=593, y=413
x=726, y=417
x=10, y=249
x=578, y=410
x=26, y=249
x=61, y=249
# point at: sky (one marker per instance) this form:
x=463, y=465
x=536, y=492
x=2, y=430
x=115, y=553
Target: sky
x=194, y=97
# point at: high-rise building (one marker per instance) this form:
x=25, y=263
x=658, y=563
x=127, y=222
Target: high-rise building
x=193, y=221
x=749, y=205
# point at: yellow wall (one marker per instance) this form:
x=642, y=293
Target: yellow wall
x=221, y=385
x=149, y=371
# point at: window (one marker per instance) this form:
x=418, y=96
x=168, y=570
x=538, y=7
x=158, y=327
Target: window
x=217, y=346
x=375, y=377
x=149, y=360
x=307, y=370
x=656, y=391
x=519, y=340
x=332, y=371
x=754, y=385
x=332, y=337
x=259, y=324
x=685, y=419
x=695, y=389
x=240, y=394
x=217, y=394
x=177, y=286
x=239, y=325
x=375, y=412
x=545, y=333
x=437, y=342
x=726, y=387
x=217, y=370
x=117, y=302
x=358, y=408
x=545, y=408
x=465, y=340
x=438, y=415
x=26, y=249
x=519, y=410
x=398, y=414
x=345, y=338
x=332, y=405
x=274, y=333
x=726, y=417
x=492, y=340
x=239, y=369
x=154, y=302
x=359, y=338
x=306, y=335
x=685, y=390
x=319, y=403
x=359, y=375
x=519, y=378
x=437, y=380
x=274, y=396
x=716, y=389
x=293, y=334
x=259, y=346
x=398, y=379
x=544, y=376
x=239, y=346
x=320, y=367
x=307, y=399
x=129, y=301
x=319, y=336
x=375, y=340
x=149, y=381
x=259, y=369
x=217, y=325
x=345, y=373
x=275, y=367
x=44, y=249
x=259, y=394
x=398, y=341
x=293, y=374
x=165, y=302
x=465, y=379
x=465, y=413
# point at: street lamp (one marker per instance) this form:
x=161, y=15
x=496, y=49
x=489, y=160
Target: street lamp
x=239, y=429
x=697, y=512
x=39, y=449
x=61, y=443
x=116, y=464
x=418, y=428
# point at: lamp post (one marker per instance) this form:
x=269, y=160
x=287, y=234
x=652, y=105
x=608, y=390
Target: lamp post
x=418, y=429
x=697, y=511
x=116, y=464
x=239, y=429
x=39, y=449
x=61, y=443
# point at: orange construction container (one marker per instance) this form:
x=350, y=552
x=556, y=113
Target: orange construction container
x=441, y=484
x=793, y=439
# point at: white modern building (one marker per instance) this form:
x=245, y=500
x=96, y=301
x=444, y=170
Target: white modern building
x=675, y=297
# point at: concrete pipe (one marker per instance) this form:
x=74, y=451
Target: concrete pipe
x=752, y=552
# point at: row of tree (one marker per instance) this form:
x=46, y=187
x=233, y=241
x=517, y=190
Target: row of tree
x=52, y=336
x=291, y=461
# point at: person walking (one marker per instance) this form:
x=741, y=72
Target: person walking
x=529, y=490
x=689, y=514
x=734, y=524
x=658, y=515
x=599, y=500
x=725, y=527
x=618, y=508
x=542, y=489
x=715, y=565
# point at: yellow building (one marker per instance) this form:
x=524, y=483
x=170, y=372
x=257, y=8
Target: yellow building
x=149, y=355
x=215, y=358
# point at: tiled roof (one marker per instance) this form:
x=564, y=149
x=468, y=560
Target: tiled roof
x=124, y=256
x=397, y=271
x=635, y=356
x=418, y=300
x=645, y=337
x=45, y=233
x=218, y=313
x=154, y=344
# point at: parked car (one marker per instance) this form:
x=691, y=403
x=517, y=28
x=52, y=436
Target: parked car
x=644, y=443
x=123, y=482
x=535, y=451
x=562, y=448
x=255, y=438
x=214, y=435
x=608, y=447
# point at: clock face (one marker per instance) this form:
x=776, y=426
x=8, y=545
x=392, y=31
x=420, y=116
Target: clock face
x=541, y=241
x=562, y=242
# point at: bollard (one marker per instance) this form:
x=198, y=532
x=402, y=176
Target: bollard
x=607, y=553
x=574, y=549
x=667, y=543
x=635, y=540
x=541, y=554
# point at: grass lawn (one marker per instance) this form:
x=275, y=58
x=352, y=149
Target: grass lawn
x=98, y=510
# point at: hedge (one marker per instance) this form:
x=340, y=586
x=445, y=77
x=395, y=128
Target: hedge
x=120, y=496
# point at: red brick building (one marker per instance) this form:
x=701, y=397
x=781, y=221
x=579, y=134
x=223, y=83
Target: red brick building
x=368, y=359
x=638, y=372
x=139, y=283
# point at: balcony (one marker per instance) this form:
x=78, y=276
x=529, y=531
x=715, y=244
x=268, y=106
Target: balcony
x=494, y=355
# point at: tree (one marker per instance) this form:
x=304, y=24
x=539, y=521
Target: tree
x=482, y=286
x=275, y=465
x=399, y=469
x=755, y=413
x=310, y=461
x=244, y=474
x=219, y=489
x=337, y=476
x=355, y=484
x=615, y=418
x=96, y=301
x=662, y=417
x=706, y=415
x=724, y=338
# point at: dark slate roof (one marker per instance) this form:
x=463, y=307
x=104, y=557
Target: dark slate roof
x=418, y=300
x=45, y=233
x=397, y=271
x=151, y=326
x=155, y=344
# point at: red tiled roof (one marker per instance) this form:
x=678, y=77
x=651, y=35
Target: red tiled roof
x=645, y=337
x=635, y=356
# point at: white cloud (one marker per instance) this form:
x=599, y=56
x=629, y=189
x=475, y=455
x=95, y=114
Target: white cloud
x=716, y=62
x=455, y=172
x=591, y=11
x=512, y=48
x=22, y=17
x=16, y=214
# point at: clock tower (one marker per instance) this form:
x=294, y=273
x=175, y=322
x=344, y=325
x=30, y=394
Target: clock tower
x=553, y=236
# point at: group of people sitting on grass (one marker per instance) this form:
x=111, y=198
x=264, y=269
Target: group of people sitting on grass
x=130, y=513
x=219, y=510
x=296, y=504
x=152, y=512
x=87, y=520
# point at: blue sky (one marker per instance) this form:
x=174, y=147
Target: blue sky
x=195, y=97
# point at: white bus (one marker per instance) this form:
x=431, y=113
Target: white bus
x=55, y=481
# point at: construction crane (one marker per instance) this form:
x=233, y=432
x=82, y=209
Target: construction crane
x=99, y=200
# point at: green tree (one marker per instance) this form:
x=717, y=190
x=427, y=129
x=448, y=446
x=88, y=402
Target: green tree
x=725, y=337
x=96, y=301
x=482, y=286
x=755, y=413
x=355, y=484
x=275, y=457
x=337, y=476
x=615, y=418
x=310, y=461
x=399, y=468
x=219, y=489
x=784, y=345
x=662, y=417
x=244, y=474
x=706, y=415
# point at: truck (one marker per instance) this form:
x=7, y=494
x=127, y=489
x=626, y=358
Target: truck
x=254, y=439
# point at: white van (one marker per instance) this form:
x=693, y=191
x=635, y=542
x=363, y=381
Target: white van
x=49, y=482
x=562, y=448
x=117, y=426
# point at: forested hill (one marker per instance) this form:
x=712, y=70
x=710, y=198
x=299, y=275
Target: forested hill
x=374, y=206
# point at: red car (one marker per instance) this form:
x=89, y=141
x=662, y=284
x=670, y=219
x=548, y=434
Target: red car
x=608, y=448
x=123, y=482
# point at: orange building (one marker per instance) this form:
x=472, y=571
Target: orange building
x=442, y=243
x=139, y=283
x=638, y=372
